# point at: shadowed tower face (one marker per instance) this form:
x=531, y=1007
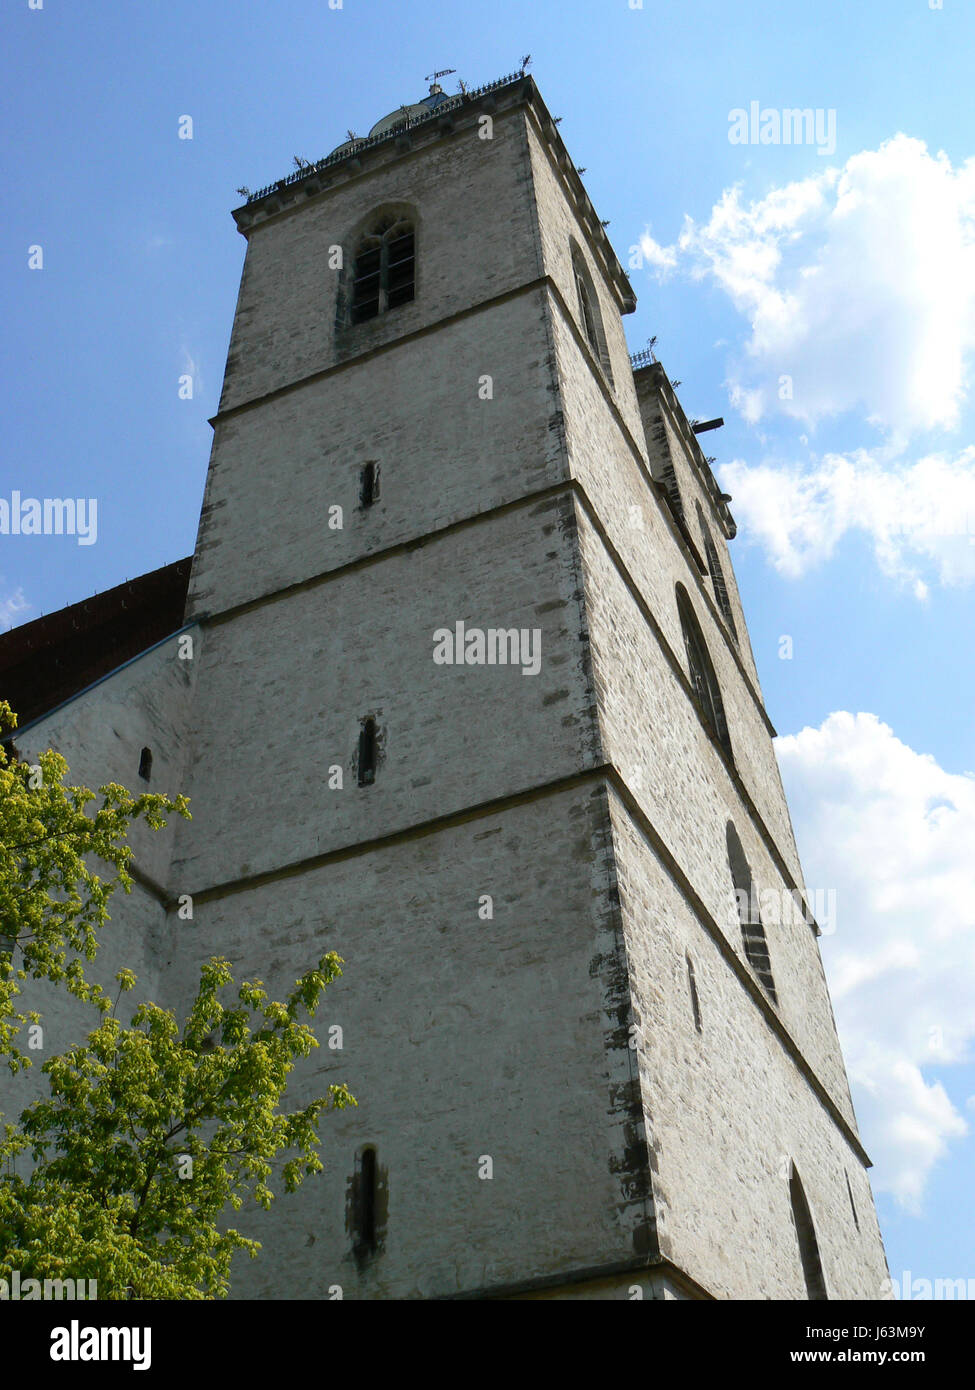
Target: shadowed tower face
x=474, y=705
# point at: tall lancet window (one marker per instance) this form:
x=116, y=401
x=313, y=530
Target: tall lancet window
x=812, y=1265
x=717, y=574
x=384, y=270
x=585, y=309
x=752, y=928
x=590, y=319
x=701, y=672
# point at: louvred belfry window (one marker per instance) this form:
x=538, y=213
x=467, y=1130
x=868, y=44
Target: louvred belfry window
x=384, y=271
x=717, y=574
x=752, y=928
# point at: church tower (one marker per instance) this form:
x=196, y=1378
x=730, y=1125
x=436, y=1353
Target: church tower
x=473, y=704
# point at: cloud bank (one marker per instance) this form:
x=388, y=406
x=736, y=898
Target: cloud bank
x=919, y=517
x=858, y=284
x=892, y=831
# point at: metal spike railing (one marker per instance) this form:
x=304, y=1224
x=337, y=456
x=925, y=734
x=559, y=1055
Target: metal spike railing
x=643, y=358
x=370, y=142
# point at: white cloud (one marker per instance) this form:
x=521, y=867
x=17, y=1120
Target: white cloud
x=662, y=258
x=919, y=516
x=11, y=607
x=858, y=284
x=892, y=832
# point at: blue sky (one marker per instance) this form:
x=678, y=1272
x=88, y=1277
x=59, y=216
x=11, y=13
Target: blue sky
x=852, y=273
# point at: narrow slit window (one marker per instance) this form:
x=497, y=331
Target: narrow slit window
x=366, y=1213
x=368, y=1228
x=853, y=1205
x=752, y=927
x=695, y=1001
x=812, y=1267
x=367, y=753
x=145, y=764
x=369, y=484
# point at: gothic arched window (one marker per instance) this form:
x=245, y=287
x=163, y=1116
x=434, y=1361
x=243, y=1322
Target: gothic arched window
x=585, y=309
x=812, y=1266
x=717, y=574
x=384, y=269
x=145, y=764
x=752, y=928
x=701, y=672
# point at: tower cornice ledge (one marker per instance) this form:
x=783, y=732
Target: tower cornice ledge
x=655, y=374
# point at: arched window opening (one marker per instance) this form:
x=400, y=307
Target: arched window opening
x=812, y=1267
x=384, y=269
x=717, y=574
x=695, y=1002
x=585, y=309
x=752, y=929
x=589, y=316
x=145, y=764
x=369, y=484
x=367, y=753
x=701, y=672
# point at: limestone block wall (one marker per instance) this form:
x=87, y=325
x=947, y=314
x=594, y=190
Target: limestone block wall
x=652, y=734
x=446, y=450
x=101, y=733
x=462, y=1036
x=639, y=532
x=727, y=1110
x=284, y=687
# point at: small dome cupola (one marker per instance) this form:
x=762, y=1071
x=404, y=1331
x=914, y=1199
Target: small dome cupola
x=436, y=97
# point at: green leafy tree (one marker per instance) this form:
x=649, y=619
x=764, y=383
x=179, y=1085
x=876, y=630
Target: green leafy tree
x=153, y=1130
